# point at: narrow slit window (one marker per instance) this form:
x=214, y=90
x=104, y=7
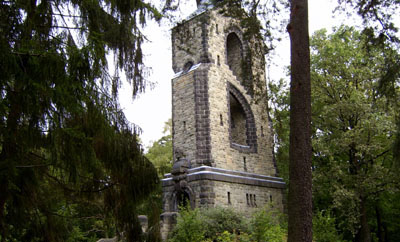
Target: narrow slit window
x=218, y=61
x=234, y=55
x=216, y=29
x=270, y=198
x=247, y=198
x=229, y=198
x=221, y=122
x=244, y=163
x=184, y=125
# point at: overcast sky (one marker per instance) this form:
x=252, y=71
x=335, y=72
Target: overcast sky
x=153, y=108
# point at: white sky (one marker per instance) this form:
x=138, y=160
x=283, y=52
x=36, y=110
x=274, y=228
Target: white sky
x=151, y=109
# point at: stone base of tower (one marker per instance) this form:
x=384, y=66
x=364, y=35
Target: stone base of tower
x=207, y=186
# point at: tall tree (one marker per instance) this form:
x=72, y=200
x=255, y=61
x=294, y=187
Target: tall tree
x=382, y=28
x=354, y=129
x=64, y=142
x=300, y=195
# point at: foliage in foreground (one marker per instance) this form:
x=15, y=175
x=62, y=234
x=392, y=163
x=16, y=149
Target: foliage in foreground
x=225, y=225
x=264, y=225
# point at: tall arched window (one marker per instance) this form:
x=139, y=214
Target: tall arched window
x=238, y=121
x=234, y=55
x=242, y=129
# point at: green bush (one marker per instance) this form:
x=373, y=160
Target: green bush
x=324, y=228
x=268, y=224
x=189, y=227
x=225, y=225
x=218, y=220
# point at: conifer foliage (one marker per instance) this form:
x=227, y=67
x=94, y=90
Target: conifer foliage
x=67, y=152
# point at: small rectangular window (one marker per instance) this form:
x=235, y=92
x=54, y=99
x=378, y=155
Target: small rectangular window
x=247, y=198
x=229, y=198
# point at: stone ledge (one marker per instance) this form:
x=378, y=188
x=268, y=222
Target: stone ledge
x=230, y=172
x=217, y=174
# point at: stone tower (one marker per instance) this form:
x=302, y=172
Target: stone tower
x=222, y=142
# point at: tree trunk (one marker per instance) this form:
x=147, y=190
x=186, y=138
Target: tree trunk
x=364, y=234
x=300, y=195
x=380, y=234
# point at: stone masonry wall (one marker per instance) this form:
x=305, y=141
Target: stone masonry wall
x=246, y=198
x=223, y=154
x=210, y=192
x=183, y=116
x=190, y=42
x=215, y=193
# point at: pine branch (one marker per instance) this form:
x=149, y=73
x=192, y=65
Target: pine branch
x=65, y=187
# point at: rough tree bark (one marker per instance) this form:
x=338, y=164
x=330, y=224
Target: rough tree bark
x=300, y=196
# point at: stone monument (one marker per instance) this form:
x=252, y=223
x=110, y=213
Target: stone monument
x=222, y=141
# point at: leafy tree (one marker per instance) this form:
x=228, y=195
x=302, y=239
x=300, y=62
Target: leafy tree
x=354, y=128
x=279, y=110
x=378, y=16
x=66, y=148
x=160, y=153
x=381, y=29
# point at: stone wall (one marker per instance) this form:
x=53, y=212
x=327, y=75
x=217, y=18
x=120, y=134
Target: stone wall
x=213, y=31
x=246, y=198
x=190, y=42
x=183, y=115
x=209, y=187
x=258, y=157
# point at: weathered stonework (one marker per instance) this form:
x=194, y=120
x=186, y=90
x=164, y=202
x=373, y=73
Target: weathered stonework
x=221, y=132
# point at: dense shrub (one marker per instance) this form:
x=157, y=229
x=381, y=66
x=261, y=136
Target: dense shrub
x=189, y=227
x=324, y=228
x=226, y=225
x=218, y=220
x=268, y=224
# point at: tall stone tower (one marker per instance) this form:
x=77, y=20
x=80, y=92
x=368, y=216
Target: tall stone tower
x=222, y=141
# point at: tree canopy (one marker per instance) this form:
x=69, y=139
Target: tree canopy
x=67, y=153
x=354, y=128
x=355, y=181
